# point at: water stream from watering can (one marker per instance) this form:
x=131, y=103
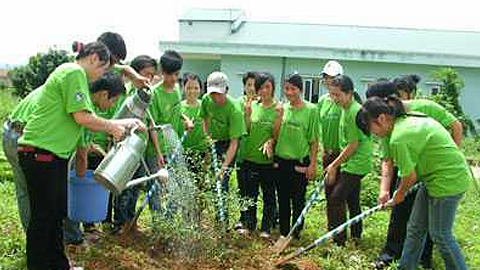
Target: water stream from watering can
x=178, y=195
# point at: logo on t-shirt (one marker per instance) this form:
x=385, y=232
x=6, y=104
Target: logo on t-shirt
x=78, y=97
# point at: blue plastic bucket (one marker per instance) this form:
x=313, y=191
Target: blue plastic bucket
x=87, y=200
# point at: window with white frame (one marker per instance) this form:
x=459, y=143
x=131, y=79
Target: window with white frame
x=311, y=88
x=433, y=87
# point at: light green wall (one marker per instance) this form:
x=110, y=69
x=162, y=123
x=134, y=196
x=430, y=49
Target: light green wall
x=201, y=67
x=234, y=66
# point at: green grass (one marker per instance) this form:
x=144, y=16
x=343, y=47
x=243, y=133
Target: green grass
x=12, y=238
x=134, y=253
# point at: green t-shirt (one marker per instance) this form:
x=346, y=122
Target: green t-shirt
x=240, y=102
x=329, y=119
x=226, y=122
x=423, y=145
x=165, y=109
x=359, y=162
x=430, y=109
x=117, y=69
x=52, y=126
x=299, y=129
x=261, y=129
x=23, y=111
x=196, y=139
x=101, y=138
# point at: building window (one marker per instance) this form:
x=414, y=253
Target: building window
x=311, y=88
x=433, y=87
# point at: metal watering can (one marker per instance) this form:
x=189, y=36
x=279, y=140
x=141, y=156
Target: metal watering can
x=135, y=105
x=121, y=162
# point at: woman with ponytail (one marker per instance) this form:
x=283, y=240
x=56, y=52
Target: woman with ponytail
x=118, y=52
x=422, y=149
x=63, y=109
x=354, y=161
x=405, y=88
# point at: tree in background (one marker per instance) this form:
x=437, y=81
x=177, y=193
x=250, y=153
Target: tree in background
x=448, y=96
x=35, y=73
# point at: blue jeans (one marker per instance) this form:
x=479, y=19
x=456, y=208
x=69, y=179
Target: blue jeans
x=9, y=142
x=153, y=202
x=435, y=215
x=125, y=203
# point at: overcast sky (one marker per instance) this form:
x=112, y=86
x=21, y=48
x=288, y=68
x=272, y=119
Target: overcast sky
x=32, y=26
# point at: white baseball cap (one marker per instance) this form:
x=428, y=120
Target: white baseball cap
x=217, y=82
x=332, y=68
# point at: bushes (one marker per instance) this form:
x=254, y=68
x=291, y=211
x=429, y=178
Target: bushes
x=7, y=103
x=35, y=73
x=448, y=96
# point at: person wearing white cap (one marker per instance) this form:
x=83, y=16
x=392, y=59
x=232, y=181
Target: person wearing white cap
x=223, y=122
x=329, y=119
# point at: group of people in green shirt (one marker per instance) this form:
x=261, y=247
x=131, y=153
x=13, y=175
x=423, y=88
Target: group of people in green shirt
x=48, y=126
x=274, y=147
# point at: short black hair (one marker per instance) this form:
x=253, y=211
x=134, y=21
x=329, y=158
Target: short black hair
x=143, y=61
x=262, y=78
x=407, y=83
x=98, y=48
x=249, y=75
x=115, y=44
x=374, y=106
x=296, y=80
x=110, y=82
x=382, y=89
x=171, y=62
x=192, y=77
x=343, y=82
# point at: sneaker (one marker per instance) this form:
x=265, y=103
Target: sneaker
x=379, y=264
x=238, y=226
x=264, y=235
x=245, y=232
x=76, y=268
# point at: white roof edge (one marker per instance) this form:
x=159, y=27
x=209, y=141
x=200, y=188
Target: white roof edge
x=324, y=52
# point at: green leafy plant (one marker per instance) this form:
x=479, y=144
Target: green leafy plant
x=35, y=73
x=451, y=85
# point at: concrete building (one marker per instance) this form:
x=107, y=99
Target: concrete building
x=225, y=40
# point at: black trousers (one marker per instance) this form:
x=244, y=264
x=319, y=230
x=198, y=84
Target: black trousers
x=46, y=176
x=344, y=192
x=397, y=229
x=257, y=176
x=341, y=193
x=292, y=187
